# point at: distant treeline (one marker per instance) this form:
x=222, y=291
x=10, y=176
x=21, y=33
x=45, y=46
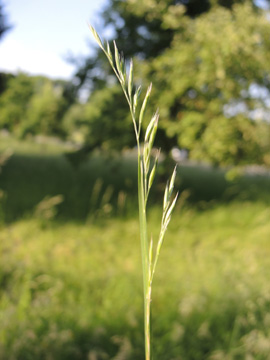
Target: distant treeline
x=209, y=62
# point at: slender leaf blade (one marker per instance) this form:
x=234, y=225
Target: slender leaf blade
x=144, y=104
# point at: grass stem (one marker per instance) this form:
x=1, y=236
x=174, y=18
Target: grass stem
x=146, y=175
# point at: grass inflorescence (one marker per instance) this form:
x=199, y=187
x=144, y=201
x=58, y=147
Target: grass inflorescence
x=146, y=174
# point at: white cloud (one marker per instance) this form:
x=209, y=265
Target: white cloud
x=16, y=56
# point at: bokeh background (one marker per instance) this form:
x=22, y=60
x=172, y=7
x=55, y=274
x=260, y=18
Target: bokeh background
x=70, y=274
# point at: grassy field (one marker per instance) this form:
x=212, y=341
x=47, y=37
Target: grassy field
x=71, y=283
x=105, y=183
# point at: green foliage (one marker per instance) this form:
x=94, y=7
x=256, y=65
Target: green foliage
x=56, y=301
x=203, y=74
x=102, y=122
x=44, y=110
x=35, y=171
x=205, y=59
x=47, y=208
x=32, y=105
x=74, y=123
x=211, y=290
x=107, y=118
x=14, y=101
x=4, y=78
x=208, y=60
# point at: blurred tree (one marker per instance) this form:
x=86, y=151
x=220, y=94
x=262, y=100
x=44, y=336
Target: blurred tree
x=74, y=123
x=207, y=77
x=92, y=123
x=32, y=105
x=4, y=27
x=203, y=57
x=4, y=78
x=139, y=29
x=14, y=101
x=4, y=24
x=44, y=111
x=109, y=122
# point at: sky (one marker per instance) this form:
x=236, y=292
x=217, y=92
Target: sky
x=44, y=33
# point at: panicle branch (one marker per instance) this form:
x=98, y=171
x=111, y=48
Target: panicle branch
x=146, y=171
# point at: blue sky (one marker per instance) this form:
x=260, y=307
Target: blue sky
x=44, y=32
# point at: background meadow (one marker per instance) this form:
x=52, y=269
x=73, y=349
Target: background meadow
x=70, y=273
x=70, y=268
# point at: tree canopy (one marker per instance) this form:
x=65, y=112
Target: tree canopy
x=209, y=61
x=32, y=105
x=202, y=74
x=4, y=23
x=205, y=59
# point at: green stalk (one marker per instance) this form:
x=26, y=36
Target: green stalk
x=145, y=178
x=145, y=254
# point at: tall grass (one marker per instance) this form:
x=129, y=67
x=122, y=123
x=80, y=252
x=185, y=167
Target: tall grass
x=146, y=174
x=211, y=291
